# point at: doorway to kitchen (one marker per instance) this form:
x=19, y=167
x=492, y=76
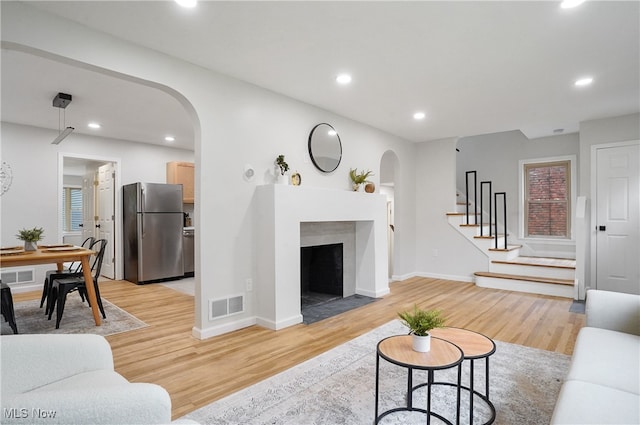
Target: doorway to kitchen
x=88, y=205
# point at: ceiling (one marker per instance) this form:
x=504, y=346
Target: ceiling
x=472, y=67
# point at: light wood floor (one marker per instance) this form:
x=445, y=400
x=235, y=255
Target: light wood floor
x=197, y=372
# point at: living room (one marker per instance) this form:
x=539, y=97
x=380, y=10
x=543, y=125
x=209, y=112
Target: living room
x=259, y=124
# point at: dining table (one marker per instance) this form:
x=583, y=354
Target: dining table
x=55, y=254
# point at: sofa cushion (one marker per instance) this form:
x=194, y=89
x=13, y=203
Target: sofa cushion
x=607, y=358
x=586, y=403
x=105, y=378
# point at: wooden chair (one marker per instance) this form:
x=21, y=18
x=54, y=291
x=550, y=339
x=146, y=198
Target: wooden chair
x=63, y=286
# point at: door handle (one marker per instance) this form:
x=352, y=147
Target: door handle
x=602, y=228
x=80, y=225
x=97, y=226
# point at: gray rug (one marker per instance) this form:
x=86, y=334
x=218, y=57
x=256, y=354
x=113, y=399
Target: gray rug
x=338, y=387
x=77, y=318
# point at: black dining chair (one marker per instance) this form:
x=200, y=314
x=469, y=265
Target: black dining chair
x=61, y=287
x=73, y=269
x=7, y=307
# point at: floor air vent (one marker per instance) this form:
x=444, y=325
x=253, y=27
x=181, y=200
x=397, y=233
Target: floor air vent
x=226, y=306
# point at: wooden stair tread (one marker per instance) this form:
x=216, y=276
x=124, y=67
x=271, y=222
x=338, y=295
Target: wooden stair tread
x=501, y=235
x=509, y=248
x=560, y=263
x=551, y=280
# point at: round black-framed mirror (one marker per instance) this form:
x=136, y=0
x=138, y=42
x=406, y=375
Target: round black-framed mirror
x=325, y=147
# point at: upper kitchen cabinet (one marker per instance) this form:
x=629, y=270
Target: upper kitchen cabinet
x=182, y=173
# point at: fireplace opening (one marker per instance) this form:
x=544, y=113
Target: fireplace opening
x=321, y=273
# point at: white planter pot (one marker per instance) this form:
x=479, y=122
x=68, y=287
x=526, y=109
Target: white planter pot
x=30, y=246
x=421, y=344
x=282, y=179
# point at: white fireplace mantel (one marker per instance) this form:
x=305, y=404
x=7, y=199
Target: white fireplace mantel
x=280, y=210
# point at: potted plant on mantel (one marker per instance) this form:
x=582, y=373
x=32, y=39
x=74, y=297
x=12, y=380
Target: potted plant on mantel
x=30, y=237
x=420, y=322
x=283, y=167
x=359, y=178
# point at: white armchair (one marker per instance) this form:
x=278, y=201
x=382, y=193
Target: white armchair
x=70, y=379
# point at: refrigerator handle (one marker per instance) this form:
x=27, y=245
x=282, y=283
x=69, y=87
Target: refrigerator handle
x=142, y=200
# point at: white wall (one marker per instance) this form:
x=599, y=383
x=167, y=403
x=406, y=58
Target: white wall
x=235, y=124
x=594, y=132
x=33, y=197
x=441, y=251
x=496, y=158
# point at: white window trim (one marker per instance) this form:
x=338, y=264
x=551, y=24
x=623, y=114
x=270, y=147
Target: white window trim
x=572, y=200
x=69, y=232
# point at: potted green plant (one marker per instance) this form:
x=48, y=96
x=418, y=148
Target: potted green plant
x=359, y=178
x=283, y=167
x=420, y=322
x=30, y=237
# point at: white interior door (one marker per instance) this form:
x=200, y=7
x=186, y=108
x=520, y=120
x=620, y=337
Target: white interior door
x=88, y=206
x=106, y=216
x=618, y=219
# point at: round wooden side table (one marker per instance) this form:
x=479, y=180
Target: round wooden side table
x=398, y=350
x=475, y=346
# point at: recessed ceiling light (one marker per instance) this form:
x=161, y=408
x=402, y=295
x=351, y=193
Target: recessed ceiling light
x=419, y=116
x=94, y=125
x=584, y=81
x=343, y=79
x=568, y=4
x=170, y=139
x=187, y=3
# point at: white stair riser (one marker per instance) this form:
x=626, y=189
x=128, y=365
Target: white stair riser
x=504, y=255
x=539, y=271
x=456, y=220
x=525, y=286
x=487, y=244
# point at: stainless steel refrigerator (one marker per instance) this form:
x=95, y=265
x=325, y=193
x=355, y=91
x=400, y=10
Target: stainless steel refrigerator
x=152, y=232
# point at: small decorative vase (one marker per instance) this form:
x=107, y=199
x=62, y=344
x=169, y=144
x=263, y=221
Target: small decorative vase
x=370, y=188
x=282, y=178
x=356, y=187
x=30, y=246
x=421, y=344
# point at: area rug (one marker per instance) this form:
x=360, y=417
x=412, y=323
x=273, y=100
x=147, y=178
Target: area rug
x=338, y=387
x=77, y=318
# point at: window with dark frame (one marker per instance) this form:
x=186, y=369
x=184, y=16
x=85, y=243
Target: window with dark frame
x=546, y=202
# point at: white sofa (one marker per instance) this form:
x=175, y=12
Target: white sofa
x=70, y=379
x=603, y=383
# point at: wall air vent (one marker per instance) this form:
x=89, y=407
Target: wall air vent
x=18, y=277
x=224, y=307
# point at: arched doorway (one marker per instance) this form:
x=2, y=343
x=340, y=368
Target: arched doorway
x=388, y=179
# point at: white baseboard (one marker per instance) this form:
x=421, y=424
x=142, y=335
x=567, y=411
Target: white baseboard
x=276, y=326
x=468, y=279
x=212, y=331
x=372, y=294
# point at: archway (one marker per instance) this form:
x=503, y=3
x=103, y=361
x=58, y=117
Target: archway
x=389, y=165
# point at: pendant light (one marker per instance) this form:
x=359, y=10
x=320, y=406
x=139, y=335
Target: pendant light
x=61, y=101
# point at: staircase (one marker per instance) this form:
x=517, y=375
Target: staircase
x=507, y=268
